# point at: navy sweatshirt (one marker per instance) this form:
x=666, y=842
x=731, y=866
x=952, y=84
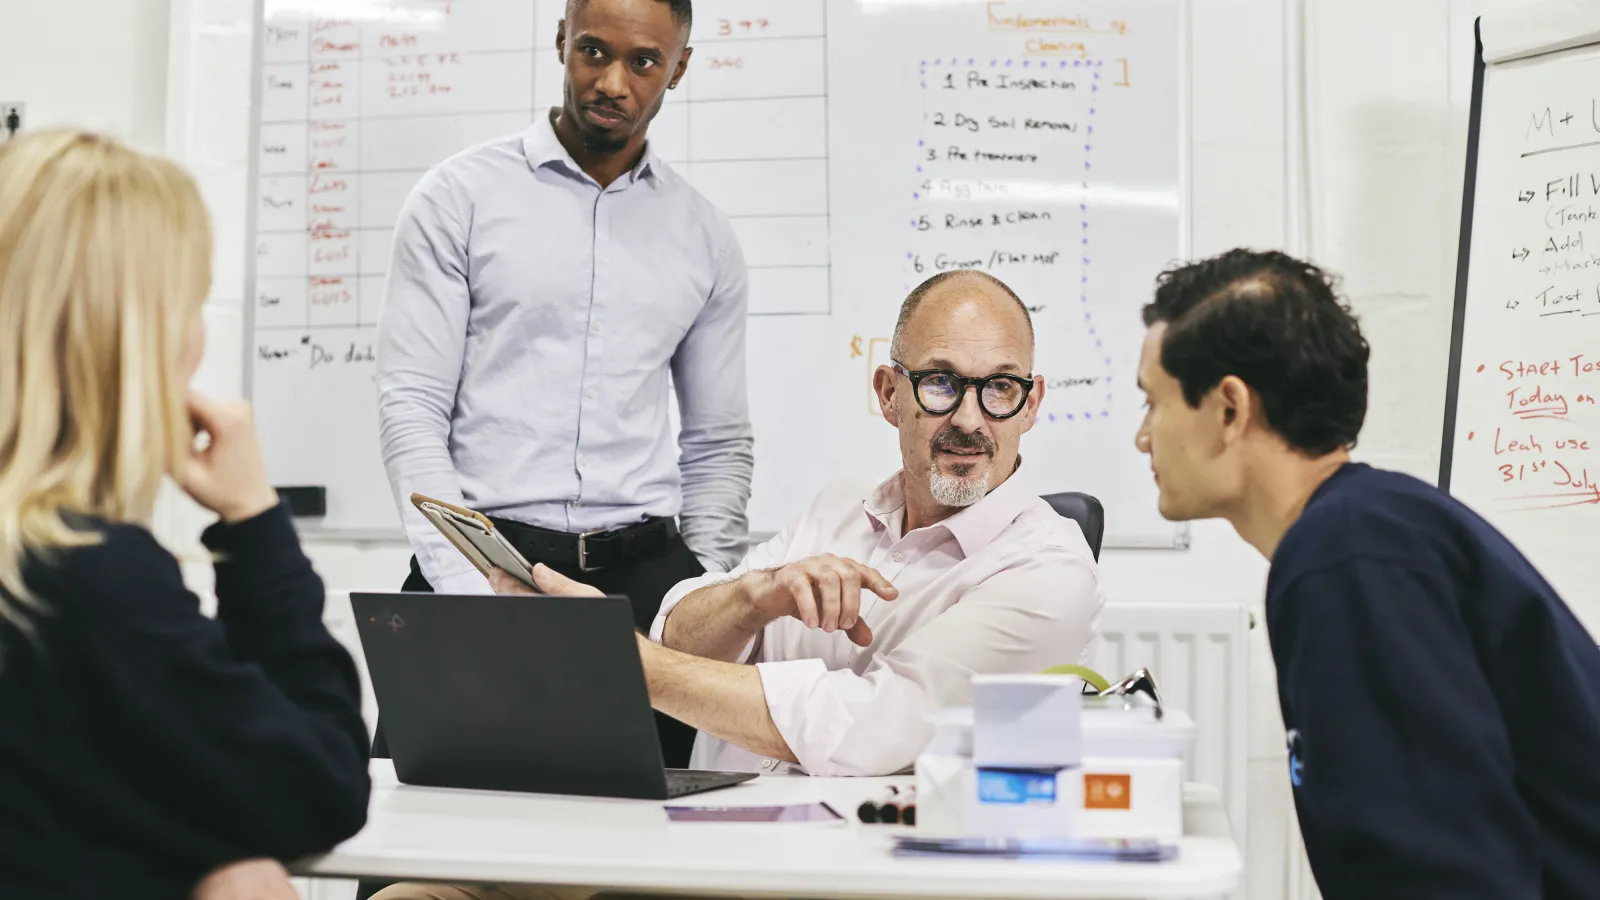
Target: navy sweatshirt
x=1442, y=703
x=142, y=744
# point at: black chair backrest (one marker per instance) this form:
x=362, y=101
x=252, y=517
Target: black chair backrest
x=1086, y=511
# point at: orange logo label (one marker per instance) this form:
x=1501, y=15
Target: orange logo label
x=1102, y=791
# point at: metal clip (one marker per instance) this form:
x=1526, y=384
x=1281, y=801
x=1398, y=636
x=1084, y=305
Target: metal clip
x=1140, y=682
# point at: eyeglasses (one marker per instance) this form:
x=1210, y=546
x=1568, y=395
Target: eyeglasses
x=939, y=392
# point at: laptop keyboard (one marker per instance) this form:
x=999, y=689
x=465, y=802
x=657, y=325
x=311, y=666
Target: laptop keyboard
x=681, y=782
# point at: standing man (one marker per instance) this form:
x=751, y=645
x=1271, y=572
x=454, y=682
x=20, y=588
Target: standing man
x=1442, y=702
x=543, y=290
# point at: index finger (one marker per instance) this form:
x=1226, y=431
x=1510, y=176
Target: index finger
x=874, y=581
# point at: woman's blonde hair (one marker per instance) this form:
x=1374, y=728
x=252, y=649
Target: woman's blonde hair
x=105, y=261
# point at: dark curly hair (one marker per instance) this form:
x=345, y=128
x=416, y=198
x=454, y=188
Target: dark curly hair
x=682, y=10
x=1278, y=324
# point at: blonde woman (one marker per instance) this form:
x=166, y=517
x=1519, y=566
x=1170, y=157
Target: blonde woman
x=144, y=748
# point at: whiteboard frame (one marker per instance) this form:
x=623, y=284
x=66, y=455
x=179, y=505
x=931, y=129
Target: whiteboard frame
x=1182, y=536
x=1458, y=326
x=258, y=31
x=1538, y=28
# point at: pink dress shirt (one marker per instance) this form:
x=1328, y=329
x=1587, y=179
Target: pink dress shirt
x=1004, y=586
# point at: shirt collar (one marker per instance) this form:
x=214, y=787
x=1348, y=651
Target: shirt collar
x=973, y=528
x=542, y=148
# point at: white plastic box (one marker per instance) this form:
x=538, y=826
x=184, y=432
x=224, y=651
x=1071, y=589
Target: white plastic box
x=1123, y=797
x=1132, y=773
x=1026, y=721
x=1128, y=782
x=1037, y=803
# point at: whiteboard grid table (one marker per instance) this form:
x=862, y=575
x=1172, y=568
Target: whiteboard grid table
x=856, y=148
x=420, y=833
x=348, y=110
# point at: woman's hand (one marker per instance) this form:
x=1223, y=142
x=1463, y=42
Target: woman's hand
x=228, y=475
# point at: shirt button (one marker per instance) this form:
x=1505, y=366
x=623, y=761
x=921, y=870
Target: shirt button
x=899, y=556
x=602, y=260
x=767, y=764
x=589, y=393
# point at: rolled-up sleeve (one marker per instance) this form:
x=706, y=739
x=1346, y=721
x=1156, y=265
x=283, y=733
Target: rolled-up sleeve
x=422, y=337
x=1039, y=612
x=716, y=443
x=768, y=555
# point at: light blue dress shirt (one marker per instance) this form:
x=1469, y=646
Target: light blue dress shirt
x=531, y=321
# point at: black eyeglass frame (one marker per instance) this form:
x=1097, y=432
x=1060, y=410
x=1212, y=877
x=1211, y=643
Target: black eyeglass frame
x=916, y=376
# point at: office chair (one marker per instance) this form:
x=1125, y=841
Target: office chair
x=1086, y=511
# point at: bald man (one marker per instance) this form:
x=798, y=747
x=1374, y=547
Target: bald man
x=831, y=646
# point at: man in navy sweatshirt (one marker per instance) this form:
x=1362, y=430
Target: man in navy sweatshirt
x=1442, y=703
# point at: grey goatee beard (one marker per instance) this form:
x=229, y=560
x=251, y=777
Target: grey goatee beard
x=955, y=491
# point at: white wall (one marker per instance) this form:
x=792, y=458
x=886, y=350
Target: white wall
x=1387, y=84
x=95, y=63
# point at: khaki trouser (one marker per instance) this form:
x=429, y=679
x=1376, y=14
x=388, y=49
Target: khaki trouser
x=420, y=891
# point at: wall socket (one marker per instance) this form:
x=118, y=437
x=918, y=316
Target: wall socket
x=11, y=118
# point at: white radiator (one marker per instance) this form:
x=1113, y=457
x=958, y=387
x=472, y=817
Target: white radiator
x=1301, y=884
x=1200, y=656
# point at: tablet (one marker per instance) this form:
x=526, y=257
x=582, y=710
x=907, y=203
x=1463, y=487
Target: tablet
x=800, y=813
x=475, y=536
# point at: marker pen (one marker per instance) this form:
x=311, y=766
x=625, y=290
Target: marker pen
x=870, y=811
x=893, y=812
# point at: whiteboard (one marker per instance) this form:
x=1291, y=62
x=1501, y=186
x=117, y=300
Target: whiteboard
x=857, y=147
x=1522, y=430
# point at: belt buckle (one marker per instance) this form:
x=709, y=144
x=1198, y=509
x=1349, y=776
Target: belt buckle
x=583, y=551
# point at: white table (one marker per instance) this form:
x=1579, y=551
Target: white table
x=433, y=834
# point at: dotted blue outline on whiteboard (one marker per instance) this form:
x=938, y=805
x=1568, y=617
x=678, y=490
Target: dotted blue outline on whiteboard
x=1083, y=206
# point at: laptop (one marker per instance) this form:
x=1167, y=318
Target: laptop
x=516, y=693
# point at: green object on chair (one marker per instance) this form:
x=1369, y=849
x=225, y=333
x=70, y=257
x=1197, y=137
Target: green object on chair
x=1090, y=676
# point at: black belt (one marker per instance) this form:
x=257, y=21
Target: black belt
x=592, y=550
